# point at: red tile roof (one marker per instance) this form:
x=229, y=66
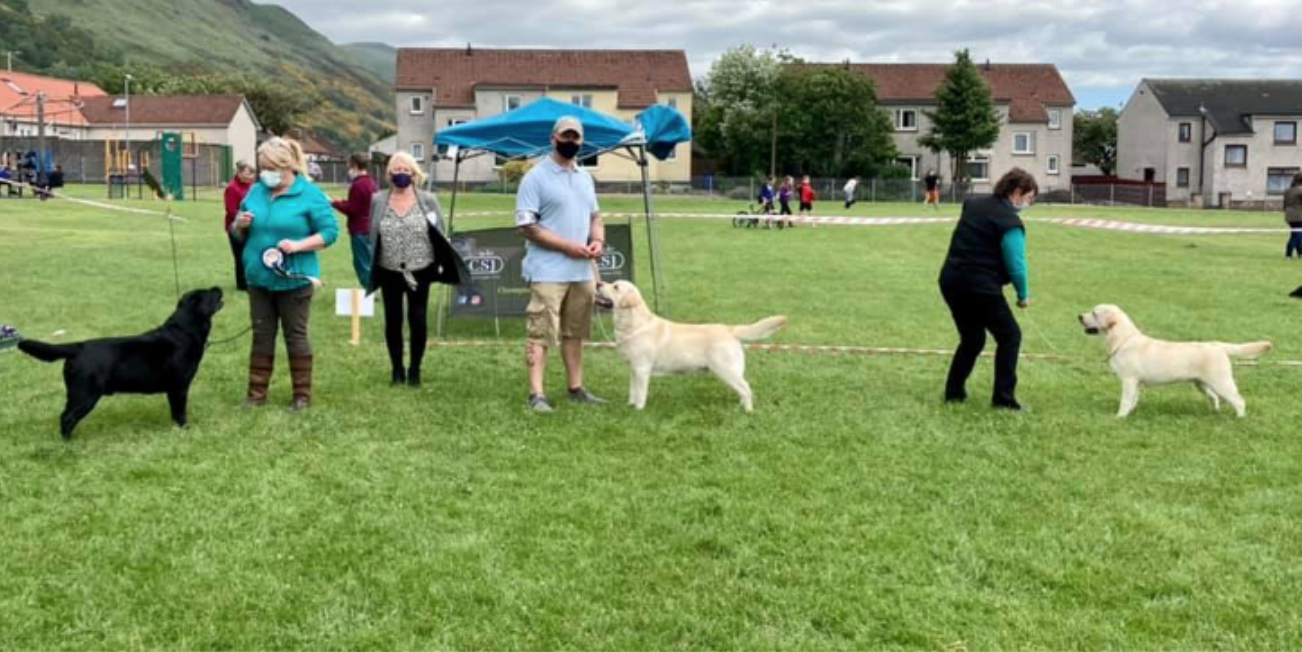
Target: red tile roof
x=1026, y=87
x=456, y=72
x=190, y=110
x=18, y=96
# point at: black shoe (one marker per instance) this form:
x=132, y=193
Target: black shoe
x=581, y=395
x=1011, y=407
x=413, y=377
x=399, y=377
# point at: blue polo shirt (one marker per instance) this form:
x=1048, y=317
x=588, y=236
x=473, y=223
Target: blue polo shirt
x=561, y=200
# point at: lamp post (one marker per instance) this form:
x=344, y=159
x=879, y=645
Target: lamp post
x=126, y=85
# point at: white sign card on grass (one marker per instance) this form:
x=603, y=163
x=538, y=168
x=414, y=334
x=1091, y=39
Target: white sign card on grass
x=344, y=303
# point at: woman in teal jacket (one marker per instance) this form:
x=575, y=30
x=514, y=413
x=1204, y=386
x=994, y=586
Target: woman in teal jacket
x=284, y=215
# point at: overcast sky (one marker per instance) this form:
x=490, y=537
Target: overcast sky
x=1102, y=47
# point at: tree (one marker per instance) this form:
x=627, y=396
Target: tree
x=734, y=109
x=966, y=119
x=831, y=124
x=1094, y=138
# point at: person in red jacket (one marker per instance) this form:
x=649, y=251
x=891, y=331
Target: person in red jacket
x=807, y=197
x=358, y=209
x=235, y=192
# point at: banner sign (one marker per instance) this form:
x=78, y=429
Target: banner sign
x=496, y=257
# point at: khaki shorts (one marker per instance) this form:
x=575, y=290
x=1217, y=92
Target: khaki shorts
x=560, y=311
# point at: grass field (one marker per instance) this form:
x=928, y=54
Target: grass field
x=852, y=510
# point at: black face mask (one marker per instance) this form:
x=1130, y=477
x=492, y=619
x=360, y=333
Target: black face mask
x=567, y=149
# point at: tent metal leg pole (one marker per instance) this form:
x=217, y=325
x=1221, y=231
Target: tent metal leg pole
x=657, y=283
x=452, y=213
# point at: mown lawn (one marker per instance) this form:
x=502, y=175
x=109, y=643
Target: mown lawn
x=852, y=510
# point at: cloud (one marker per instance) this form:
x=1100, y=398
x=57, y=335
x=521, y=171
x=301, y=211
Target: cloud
x=1105, y=46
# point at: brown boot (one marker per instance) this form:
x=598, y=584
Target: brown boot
x=300, y=373
x=260, y=368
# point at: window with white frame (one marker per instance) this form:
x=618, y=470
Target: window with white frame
x=1024, y=142
x=1055, y=118
x=1184, y=132
x=1182, y=177
x=442, y=150
x=584, y=100
x=906, y=119
x=511, y=102
x=1285, y=133
x=1236, y=156
x=418, y=151
x=417, y=105
x=672, y=103
x=1278, y=180
x=910, y=162
x=1051, y=166
x=978, y=168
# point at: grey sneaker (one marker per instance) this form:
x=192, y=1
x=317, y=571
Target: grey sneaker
x=538, y=403
x=582, y=395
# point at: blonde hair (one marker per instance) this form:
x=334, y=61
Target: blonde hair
x=401, y=156
x=283, y=154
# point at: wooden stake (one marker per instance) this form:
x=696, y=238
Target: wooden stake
x=357, y=318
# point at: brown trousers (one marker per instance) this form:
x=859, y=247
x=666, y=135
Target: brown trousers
x=287, y=311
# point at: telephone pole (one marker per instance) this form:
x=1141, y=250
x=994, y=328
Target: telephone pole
x=9, y=54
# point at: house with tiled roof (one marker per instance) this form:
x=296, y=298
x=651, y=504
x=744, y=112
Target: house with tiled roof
x=1213, y=142
x=440, y=87
x=211, y=119
x=1035, y=110
x=63, y=98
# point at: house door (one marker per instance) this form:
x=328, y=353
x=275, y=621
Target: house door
x=1150, y=175
x=1223, y=200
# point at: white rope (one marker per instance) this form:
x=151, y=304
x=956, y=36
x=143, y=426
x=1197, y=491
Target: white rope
x=96, y=204
x=839, y=349
x=1076, y=222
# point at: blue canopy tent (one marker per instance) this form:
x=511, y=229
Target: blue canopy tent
x=526, y=133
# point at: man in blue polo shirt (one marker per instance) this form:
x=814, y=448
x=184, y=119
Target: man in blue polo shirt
x=556, y=210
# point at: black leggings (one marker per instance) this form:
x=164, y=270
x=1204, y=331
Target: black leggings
x=394, y=290
x=974, y=314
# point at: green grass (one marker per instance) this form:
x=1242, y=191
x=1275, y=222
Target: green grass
x=852, y=510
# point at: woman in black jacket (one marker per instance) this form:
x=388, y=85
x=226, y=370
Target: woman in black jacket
x=411, y=251
x=987, y=252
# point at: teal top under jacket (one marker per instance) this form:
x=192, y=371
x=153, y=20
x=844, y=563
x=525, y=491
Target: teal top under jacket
x=1013, y=247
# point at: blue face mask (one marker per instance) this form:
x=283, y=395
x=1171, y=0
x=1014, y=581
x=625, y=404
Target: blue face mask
x=270, y=179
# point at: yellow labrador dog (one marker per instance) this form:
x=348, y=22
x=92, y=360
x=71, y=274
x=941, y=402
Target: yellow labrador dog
x=657, y=346
x=1140, y=360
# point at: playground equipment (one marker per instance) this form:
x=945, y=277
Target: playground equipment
x=177, y=154
x=122, y=168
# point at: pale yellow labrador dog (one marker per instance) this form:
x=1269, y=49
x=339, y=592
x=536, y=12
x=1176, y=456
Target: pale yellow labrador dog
x=658, y=346
x=1140, y=360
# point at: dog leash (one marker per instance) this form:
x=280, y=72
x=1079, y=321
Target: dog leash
x=228, y=339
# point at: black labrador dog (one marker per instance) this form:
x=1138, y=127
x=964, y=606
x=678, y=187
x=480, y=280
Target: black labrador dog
x=164, y=360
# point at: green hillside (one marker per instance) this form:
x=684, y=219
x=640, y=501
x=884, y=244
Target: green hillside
x=238, y=36
x=379, y=58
